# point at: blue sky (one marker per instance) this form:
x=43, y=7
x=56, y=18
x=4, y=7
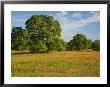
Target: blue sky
x=72, y=22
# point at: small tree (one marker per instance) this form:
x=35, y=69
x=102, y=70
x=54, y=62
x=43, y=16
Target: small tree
x=96, y=45
x=79, y=42
x=19, y=38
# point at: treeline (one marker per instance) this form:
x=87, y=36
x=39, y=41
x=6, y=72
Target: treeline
x=43, y=34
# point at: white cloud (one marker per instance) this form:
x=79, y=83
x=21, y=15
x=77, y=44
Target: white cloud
x=69, y=25
x=77, y=14
x=61, y=13
x=83, y=22
x=95, y=13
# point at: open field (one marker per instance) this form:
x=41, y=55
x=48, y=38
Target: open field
x=56, y=64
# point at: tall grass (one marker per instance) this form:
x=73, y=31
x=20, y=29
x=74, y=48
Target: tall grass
x=56, y=64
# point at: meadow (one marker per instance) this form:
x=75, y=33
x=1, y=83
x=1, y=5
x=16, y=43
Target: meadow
x=56, y=64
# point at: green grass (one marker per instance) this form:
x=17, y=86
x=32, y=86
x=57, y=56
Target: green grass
x=56, y=64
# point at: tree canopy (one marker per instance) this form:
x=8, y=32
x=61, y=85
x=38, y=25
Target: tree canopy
x=44, y=33
x=79, y=42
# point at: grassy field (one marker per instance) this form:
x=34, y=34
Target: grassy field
x=56, y=64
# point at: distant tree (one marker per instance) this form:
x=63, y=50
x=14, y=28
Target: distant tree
x=44, y=34
x=95, y=45
x=19, y=38
x=79, y=42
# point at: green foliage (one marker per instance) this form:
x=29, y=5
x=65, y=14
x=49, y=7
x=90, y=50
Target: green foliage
x=95, y=45
x=43, y=26
x=19, y=38
x=44, y=34
x=57, y=45
x=39, y=47
x=79, y=42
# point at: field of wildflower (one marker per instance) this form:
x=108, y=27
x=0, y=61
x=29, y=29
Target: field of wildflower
x=56, y=64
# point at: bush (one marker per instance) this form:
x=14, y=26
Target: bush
x=38, y=47
x=95, y=45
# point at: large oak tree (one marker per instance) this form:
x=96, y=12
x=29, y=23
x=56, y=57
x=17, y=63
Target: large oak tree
x=44, y=33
